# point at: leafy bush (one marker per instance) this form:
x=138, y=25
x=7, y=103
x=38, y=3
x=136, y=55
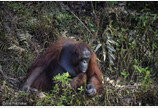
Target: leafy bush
x=124, y=36
x=63, y=94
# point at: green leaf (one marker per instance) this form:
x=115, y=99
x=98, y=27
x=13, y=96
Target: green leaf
x=123, y=73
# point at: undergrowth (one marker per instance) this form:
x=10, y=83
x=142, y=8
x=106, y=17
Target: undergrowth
x=124, y=36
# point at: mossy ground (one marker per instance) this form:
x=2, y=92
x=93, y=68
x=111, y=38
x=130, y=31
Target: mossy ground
x=124, y=35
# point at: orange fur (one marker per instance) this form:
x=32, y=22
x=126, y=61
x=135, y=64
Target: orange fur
x=49, y=60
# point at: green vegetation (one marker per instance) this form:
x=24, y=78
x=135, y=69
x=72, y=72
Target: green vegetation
x=124, y=36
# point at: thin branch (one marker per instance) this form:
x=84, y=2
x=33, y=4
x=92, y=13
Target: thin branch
x=67, y=8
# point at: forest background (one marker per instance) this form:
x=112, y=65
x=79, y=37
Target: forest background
x=124, y=35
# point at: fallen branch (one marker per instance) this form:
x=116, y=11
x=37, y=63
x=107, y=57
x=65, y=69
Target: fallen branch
x=67, y=8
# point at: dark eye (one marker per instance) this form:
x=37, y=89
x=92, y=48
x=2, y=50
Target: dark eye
x=82, y=59
x=87, y=59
